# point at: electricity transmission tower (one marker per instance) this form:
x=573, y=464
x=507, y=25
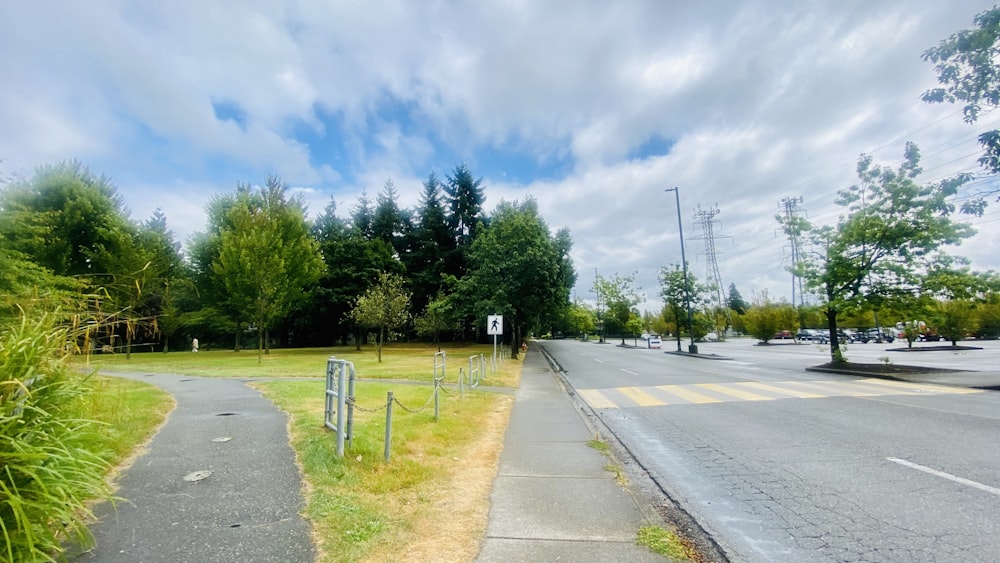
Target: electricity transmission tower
x=712, y=276
x=792, y=210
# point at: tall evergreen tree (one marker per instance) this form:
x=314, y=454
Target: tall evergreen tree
x=363, y=216
x=466, y=196
x=431, y=242
x=387, y=220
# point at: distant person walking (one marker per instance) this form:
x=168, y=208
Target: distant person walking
x=194, y=345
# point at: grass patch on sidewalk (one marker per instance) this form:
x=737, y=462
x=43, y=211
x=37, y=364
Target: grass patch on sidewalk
x=429, y=502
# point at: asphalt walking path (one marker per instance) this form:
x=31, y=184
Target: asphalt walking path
x=553, y=499
x=218, y=483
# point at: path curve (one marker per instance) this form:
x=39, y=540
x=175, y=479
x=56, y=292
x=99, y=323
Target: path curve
x=247, y=509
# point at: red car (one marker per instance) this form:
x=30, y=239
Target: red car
x=783, y=335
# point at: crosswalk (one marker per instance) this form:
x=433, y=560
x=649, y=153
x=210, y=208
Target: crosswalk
x=707, y=393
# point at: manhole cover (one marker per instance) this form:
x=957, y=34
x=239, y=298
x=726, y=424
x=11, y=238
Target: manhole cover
x=196, y=476
x=222, y=439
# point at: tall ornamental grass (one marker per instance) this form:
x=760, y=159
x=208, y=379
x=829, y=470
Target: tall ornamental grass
x=47, y=474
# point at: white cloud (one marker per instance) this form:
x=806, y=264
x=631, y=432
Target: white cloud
x=762, y=99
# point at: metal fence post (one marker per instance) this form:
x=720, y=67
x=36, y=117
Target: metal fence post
x=388, y=424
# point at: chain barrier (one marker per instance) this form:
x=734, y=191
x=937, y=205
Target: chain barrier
x=341, y=401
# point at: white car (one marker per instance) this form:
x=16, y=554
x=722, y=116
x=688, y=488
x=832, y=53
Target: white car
x=654, y=341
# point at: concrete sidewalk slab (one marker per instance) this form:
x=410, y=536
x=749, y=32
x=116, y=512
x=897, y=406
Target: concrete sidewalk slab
x=553, y=499
x=247, y=509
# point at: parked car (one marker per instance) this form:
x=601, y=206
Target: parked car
x=805, y=334
x=930, y=336
x=783, y=335
x=876, y=336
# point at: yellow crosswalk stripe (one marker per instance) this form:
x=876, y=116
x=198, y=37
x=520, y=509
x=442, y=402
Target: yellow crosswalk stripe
x=779, y=390
x=596, y=399
x=641, y=398
x=706, y=393
x=923, y=387
x=687, y=394
x=731, y=392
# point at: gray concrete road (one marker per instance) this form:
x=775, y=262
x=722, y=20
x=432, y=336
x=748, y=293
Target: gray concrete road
x=781, y=464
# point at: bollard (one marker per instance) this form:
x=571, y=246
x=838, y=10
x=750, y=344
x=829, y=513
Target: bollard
x=388, y=425
x=437, y=408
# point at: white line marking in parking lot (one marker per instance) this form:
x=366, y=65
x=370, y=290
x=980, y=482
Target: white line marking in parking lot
x=629, y=372
x=598, y=361
x=949, y=476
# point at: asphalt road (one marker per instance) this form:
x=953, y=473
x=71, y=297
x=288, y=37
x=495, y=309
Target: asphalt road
x=781, y=464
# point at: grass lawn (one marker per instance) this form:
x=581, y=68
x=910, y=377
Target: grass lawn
x=129, y=412
x=399, y=361
x=431, y=500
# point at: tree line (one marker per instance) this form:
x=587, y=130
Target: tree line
x=262, y=273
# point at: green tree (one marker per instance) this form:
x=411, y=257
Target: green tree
x=736, y=302
x=432, y=244
x=352, y=265
x=267, y=257
x=465, y=199
x=67, y=220
x=678, y=297
x=619, y=297
x=954, y=319
x=383, y=307
x=882, y=247
x=438, y=316
x=967, y=69
x=515, y=270
x=581, y=319
x=634, y=325
x=363, y=217
x=765, y=318
x=988, y=319
x=388, y=221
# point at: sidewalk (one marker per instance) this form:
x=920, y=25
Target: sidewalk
x=552, y=499
x=247, y=509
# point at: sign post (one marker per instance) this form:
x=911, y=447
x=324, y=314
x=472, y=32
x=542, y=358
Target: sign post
x=494, y=326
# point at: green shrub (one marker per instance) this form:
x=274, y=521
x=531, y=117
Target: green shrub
x=47, y=474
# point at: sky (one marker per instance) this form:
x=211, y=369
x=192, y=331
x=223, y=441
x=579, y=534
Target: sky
x=593, y=108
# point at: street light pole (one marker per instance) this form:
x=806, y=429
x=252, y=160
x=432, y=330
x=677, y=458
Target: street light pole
x=693, y=349
x=600, y=324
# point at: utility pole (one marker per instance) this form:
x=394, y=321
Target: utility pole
x=600, y=323
x=692, y=348
x=792, y=210
x=712, y=275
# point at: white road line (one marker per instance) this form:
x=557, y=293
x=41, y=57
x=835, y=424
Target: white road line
x=598, y=361
x=950, y=477
x=629, y=372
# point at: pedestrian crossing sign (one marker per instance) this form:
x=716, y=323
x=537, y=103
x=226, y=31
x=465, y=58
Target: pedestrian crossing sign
x=494, y=325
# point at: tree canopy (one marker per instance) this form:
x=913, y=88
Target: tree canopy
x=967, y=69
x=883, y=247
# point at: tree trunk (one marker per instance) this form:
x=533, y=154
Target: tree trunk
x=831, y=323
x=260, y=345
x=236, y=345
x=515, y=341
x=378, y=343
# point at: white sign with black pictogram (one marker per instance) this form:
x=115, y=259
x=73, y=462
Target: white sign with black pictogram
x=494, y=325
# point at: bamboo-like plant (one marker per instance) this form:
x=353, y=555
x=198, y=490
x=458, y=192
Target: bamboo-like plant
x=47, y=474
